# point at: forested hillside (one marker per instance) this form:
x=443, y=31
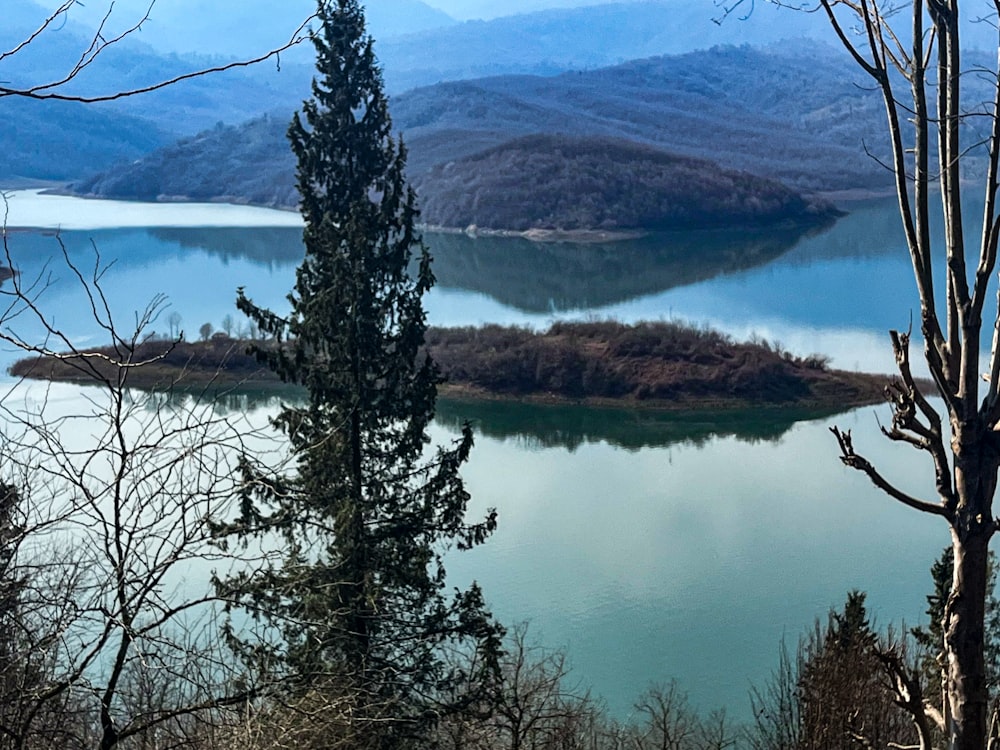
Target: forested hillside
x=781, y=114
x=726, y=105
x=572, y=183
x=249, y=163
x=35, y=145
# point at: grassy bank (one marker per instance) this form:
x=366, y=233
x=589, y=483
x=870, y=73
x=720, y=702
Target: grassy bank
x=664, y=365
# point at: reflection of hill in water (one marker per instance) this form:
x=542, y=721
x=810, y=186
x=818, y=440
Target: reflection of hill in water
x=546, y=276
x=269, y=246
x=570, y=426
x=537, y=276
x=547, y=425
x=870, y=230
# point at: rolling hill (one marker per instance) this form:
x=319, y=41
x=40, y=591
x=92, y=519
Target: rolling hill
x=720, y=104
x=776, y=113
x=244, y=28
x=564, y=183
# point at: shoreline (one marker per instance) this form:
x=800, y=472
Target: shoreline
x=573, y=236
x=460, y=392
x=217, y=384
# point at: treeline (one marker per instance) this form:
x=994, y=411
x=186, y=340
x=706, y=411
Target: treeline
x=572, y=183
x=657, y=363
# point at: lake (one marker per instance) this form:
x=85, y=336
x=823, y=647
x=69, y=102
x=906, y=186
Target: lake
x=649, y=546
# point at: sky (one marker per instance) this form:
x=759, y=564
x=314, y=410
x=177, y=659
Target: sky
x=464, y=10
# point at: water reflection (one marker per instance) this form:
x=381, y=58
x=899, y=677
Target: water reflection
x=572, y=426
x=650, y=545
x=269, y=246
x=540, y=277
x=537, y=276
x=693, y=560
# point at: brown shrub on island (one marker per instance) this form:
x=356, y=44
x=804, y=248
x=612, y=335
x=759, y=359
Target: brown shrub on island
x=659, y=364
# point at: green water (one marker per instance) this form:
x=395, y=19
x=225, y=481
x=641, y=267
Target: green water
x=651, y=546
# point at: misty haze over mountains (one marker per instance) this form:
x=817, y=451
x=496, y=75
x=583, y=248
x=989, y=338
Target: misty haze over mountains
x=778, y=107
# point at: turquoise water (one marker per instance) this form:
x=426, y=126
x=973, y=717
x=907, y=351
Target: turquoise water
x=650, y=546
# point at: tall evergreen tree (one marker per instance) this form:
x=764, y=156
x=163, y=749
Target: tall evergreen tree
x=842, y=695
x=369, y=510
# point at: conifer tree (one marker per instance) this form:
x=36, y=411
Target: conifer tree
x=369, y=509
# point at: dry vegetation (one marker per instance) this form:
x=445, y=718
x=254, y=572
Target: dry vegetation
x=658, y=364
x=573, y=183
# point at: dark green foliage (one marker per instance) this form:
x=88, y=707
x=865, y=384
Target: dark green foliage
x=12, y=584
x=573, y=183
x=361, y=596
x=930, y=638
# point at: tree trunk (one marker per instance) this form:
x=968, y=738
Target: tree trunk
x=963, y=629
x=972, y=527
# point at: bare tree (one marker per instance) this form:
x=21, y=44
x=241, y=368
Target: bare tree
x=115, y=632
x=174, y=320
x=531, y=704
x=911, y=52
x=110, y=627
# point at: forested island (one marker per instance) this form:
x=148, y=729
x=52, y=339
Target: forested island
x=660, y=365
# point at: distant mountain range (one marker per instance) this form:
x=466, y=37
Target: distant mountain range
x=553, y=41
x=775, y=113
x=243, y=28
x=796, y=111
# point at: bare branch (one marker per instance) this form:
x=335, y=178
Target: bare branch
x=908, y=694
x=855, y=461
x=53, y=90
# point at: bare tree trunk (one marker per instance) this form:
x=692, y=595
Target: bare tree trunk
x=964, y=636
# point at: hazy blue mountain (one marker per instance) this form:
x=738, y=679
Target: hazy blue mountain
x=36, y=143
x=726, y=106
x=184, y=108
x=582, y=38
x=774, y=113
x=243, y=28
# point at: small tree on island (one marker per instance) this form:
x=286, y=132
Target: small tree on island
x=360, y=598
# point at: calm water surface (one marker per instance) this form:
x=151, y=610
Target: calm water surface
x=649, y=546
